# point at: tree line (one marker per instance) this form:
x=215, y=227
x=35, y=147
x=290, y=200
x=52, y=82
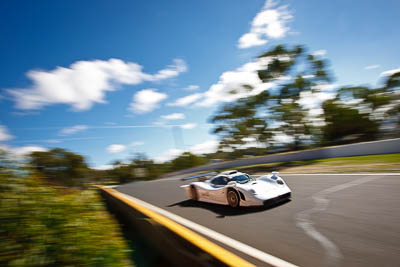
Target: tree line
x=64, y=168
x=352, y=114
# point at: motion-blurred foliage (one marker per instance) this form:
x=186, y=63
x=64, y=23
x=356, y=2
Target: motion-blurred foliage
x=60, y=167
x=42, y=225
x=290, y=108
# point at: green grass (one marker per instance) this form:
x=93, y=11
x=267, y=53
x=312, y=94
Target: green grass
x=387, y=158
x=43, y=225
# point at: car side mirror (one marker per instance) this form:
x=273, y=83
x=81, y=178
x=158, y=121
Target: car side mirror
x=233, y=183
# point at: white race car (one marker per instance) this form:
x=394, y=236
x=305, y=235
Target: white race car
x=236, y=189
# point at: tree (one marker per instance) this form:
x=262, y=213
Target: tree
x=357, y=113
x=292, y=72
x=60, y=166
x=345, y=124
x=187, y=160
x=121, y=172
x=392, y=86
x=308, y=73
x=239, y=123
x=145, y=168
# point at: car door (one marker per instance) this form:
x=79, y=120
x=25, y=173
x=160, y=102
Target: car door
x=218, y=193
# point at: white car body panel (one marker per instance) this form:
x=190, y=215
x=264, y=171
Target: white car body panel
x=252, y=193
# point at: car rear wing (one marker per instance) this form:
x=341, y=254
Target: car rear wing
x=199, y=176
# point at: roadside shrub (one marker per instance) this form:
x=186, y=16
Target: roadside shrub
x=42, y=225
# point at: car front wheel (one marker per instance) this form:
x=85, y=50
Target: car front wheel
x=233, y=198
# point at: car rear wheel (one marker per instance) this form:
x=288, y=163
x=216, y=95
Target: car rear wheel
x=193, y=193
x=233, y=198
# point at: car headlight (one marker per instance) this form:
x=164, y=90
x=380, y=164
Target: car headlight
x=252, y=191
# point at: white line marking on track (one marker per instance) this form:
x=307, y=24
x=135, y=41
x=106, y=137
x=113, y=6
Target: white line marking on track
x=246, y=249
x=333, y=255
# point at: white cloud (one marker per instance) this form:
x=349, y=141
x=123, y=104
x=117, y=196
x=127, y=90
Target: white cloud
x=4, y=134
x=250, y=141
x=85, y=83
x=198, y=149
x=192, y=87
x=146, y=100
x=168, y=155
x=188, y=126
x=137, y=143
x=204, y=148
x=115, y=148
x=4, y=147
x=390, y=72
x=186, y=100
x=270, y=22
x=172, y=70
x=316, y=111
x=231, y=84
x=230, y=87
x=251, y=39
x=319, y=53
x=371, y=67
x=283, y=138
x=24, y=150
x=174, y=116
x=18, y=153
x=73, y=130
x=324, y=87
x=103, y=167
x=118, y=148
x=314, y=100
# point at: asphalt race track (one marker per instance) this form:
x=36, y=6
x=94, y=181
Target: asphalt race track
x=332, y=220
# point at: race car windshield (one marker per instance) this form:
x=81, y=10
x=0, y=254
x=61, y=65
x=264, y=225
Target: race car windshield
x=241, y=179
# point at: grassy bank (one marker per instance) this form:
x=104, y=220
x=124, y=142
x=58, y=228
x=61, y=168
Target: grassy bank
x=361, y=164
x=43, y=225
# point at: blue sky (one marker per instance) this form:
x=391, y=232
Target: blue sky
x=105, y=79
